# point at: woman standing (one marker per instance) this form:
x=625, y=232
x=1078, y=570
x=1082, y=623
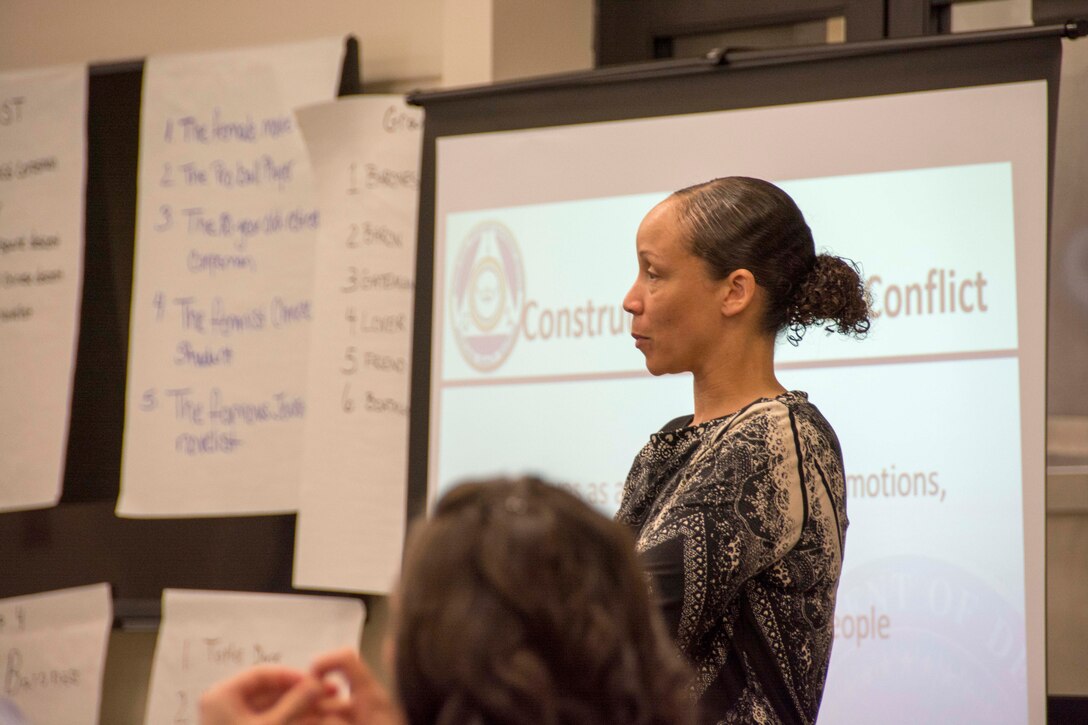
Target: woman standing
x=739, y=509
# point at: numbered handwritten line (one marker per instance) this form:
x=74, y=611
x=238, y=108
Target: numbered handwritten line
x=220, y=129
x=220, y=319
x=260, y=172
x=198, y=222
x=190, y=410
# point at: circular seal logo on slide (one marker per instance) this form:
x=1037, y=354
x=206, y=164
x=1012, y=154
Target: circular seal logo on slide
x=487, y=293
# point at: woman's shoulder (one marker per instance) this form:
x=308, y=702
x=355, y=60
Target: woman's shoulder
x=776, y=409
x=782, y=413
x=792, y=414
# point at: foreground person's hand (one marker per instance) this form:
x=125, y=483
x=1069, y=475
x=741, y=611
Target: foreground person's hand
x=368, y=702
x=263, y=695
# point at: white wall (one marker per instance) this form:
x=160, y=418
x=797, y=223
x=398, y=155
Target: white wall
x=1067, y=482
x=533, y=37
x=497, y=40
x=406, y=44
x=990, y=14
x=400, y=40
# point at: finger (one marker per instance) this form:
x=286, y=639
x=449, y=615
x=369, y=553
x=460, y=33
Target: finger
x=241, y=689
x=319, y=718
x=315, y=719
x=297, y=702
x=219, y=704
x=348, y=662
x=267, y=677
x=336, y=706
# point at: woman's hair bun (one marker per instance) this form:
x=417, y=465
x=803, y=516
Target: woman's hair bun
x=833, y=293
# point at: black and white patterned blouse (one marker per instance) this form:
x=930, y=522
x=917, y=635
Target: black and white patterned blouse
x=741, y=523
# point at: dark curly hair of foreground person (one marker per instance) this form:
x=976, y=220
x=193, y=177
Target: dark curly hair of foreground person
x=520, y=604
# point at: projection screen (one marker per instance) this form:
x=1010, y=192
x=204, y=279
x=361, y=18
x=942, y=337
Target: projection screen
x=929, y=167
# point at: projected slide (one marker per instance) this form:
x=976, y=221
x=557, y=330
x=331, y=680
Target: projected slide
x=939, y=411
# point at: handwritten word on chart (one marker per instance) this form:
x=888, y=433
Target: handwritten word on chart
x=221, y=307
x=366, y=154
x=208, y=636
x=52, y=653
x=42, y=170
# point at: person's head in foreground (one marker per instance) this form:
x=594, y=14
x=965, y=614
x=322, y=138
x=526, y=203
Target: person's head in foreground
x=518, y=604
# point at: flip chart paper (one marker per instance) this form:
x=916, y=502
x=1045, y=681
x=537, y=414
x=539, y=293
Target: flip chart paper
x=365, y=153
x=221, y=307
x=42, y=174
x=53, y=651
x=208, y=636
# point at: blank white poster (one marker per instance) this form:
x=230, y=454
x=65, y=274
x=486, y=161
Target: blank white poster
x=43, y=152
x=365, y=153
x=226, y=225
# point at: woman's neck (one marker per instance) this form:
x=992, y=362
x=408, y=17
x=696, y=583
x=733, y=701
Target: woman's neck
x=738, y=374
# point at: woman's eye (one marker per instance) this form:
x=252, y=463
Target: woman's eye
x=650, y=274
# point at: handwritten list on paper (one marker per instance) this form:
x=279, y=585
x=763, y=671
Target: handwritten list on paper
x=206, y=637
x=221, y=305
x=366, y=154
x=42, y=174
x=53, y=652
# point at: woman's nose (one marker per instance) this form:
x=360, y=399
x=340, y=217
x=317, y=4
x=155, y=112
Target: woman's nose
x=631, y=302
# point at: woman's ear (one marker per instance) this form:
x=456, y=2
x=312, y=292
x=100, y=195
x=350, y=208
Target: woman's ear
x=738, y=292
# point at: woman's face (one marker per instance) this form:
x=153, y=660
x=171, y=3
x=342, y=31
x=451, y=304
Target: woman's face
x=676, y=305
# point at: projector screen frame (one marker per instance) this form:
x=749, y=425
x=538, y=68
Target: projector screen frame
x=729, y=81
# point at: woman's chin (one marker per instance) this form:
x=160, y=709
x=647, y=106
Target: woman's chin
x=656, y=368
